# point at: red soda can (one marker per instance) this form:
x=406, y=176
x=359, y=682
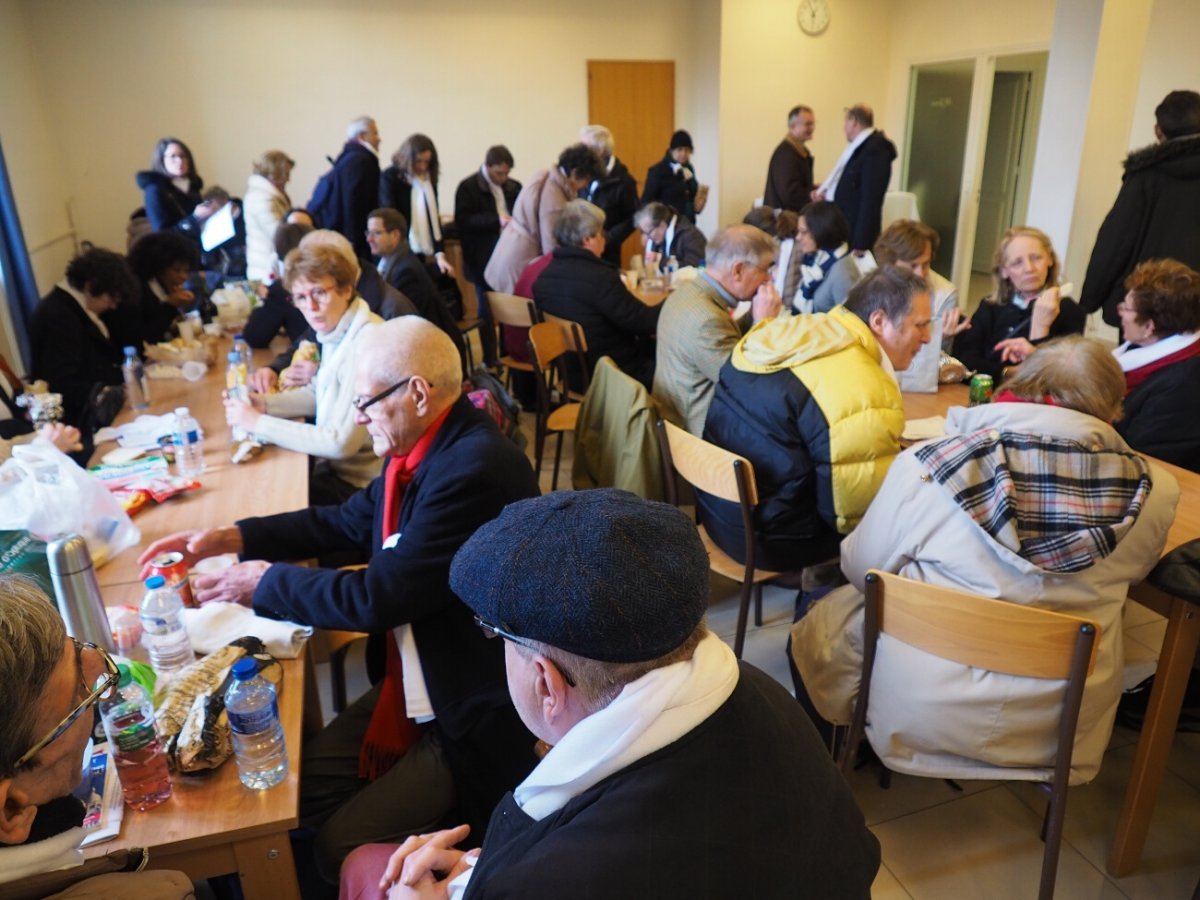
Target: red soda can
x=175, y=572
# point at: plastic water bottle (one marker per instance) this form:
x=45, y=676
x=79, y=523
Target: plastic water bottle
x=258, y=742
x=672, y=268
x=133, y=744
x=237, y=387
x=244, y=353
x=163, y=633
x=189, y=446
x=137, y=388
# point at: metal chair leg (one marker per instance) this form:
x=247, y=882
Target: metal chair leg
x=758, y=604
x=739, y=639
x=557, y=460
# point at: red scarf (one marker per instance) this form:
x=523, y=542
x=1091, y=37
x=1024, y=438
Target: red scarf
x=1010, y=397
x=391, y=732
x=1136, y=376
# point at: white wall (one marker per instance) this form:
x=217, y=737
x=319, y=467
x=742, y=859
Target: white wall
x=1171, y=63
x=235, y=78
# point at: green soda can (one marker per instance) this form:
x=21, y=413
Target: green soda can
x=981, y=389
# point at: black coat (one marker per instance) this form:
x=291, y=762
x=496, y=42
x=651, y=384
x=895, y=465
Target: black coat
x=71, y=353
x=1160, y=415
x=407, y=274
x=616, y=194
x=579, y=286
x=860, y=190
x=772, y=420
x=995, y=322
x=1156, y=216
x=789, y=179
x=149, y=320
x=351, y=193
x=697, y=819
x=395, y=191
x=687, y=245
x=664, y=185
x=477, y=222
x=470, y=473
x=166, y=205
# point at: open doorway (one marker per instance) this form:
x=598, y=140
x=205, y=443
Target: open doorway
x=972, y=129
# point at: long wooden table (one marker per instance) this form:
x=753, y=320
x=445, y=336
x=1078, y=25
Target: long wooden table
x=212, y=824
x=1174, y=662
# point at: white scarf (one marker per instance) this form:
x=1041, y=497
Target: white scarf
x=650, y=713
x=829, y=188
x=595, y=185
x=497, y=192
x=425, y=229
x=678, y=168
x=1132, y=356
x=58, y=852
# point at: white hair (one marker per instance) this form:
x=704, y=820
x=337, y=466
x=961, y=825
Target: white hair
x=361, y=125
x=598, y=138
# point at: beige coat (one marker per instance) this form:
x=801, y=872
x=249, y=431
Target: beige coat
x=531, y=231
x=696, y=335
x=263, y=206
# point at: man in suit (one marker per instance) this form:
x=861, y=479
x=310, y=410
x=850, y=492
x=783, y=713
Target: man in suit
x=439, y=732
x=1154, y=216
x=483, y=205
x=860, y=178
x=344, y=196
x=696, y=328
x=790, y=173
x=402, y=269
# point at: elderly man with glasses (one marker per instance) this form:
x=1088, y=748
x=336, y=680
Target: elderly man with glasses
x=439, y=732
x=52, y=684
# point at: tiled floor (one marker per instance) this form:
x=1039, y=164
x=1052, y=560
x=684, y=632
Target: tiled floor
x=983, y=842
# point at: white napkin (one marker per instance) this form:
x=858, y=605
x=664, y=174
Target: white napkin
x=924, y=429
x=214, y=625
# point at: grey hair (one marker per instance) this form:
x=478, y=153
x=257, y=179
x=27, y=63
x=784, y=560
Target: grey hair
x=740, y=244
x=1076, y=372
x=361, y=125
x=578, y=221
x=411, y=345
x=887, y=289
x=31, y=646
x=598, y=138
x=652, y=215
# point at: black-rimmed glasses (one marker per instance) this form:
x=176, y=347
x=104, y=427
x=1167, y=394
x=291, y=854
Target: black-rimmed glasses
x=495, y=631
x=363, y=405
x=100, y=691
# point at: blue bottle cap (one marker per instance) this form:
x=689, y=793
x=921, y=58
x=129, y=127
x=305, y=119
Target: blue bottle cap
x=234, y=356
x=245, y=668
x=155, y=581
x=131, y=351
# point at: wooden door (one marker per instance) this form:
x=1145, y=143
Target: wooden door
x=636, y=102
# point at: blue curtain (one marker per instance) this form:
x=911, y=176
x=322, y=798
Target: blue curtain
x=19, y=282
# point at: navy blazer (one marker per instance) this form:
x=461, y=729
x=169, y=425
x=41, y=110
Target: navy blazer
x=71, y=353
x=861, y=188
x=352, y=195
x=477, y=222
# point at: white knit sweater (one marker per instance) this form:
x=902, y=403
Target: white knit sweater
x=330, y=396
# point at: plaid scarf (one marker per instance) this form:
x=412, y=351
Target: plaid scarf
x=813, y=269
x=1055, y=502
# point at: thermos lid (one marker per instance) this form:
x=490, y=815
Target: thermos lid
x=68, y=555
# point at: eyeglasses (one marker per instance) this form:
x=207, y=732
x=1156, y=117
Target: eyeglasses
x=1125, y=307
x=363, y=405
x=495, y=631
x=372, y=233
x=101, y=691
x=318, y=296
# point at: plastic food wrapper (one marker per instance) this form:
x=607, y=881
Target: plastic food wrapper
x=132, y=500
x=306, y=351
x=246, y=450
x=128, y=474
x=44, y=492
x=951, y=371
x=180, y=350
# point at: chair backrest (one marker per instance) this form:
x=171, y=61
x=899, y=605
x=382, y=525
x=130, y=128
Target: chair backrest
x=706, y=466
x=572, y=332
x=978, y=631
x=470, y=298
x=547, y=342
x=509, y=309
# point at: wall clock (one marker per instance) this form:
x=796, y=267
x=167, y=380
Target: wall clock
x=813, y=16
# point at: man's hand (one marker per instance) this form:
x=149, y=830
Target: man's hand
x=194, y=545
x=233, y=585
x=766, y=303
x=298, y=374
x=954, y=322
x=263, y=380
x=413, y=869
x=1015, y=350
x=444, y=265
x=1045, y=311
x=816, y=194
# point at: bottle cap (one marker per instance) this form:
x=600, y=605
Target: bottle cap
x=155, y=581
x=245, y=668
x=182, y=411
x=131, y=351
x=234, y=356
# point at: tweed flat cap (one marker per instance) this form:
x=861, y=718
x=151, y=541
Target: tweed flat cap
x=603, y=574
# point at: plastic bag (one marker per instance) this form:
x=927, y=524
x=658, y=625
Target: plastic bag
x=45, y=493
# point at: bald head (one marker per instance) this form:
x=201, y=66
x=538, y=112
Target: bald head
x=410, y=345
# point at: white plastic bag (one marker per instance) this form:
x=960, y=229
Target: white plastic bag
x=45, y=493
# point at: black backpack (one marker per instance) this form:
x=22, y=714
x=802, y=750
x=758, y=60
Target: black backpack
x=486, y=392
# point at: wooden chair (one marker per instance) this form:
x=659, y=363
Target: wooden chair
x=577, y=344
x=470, y=320
x=509, y=309
x=727, y=476
x=992, y=635
x=548, y=345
